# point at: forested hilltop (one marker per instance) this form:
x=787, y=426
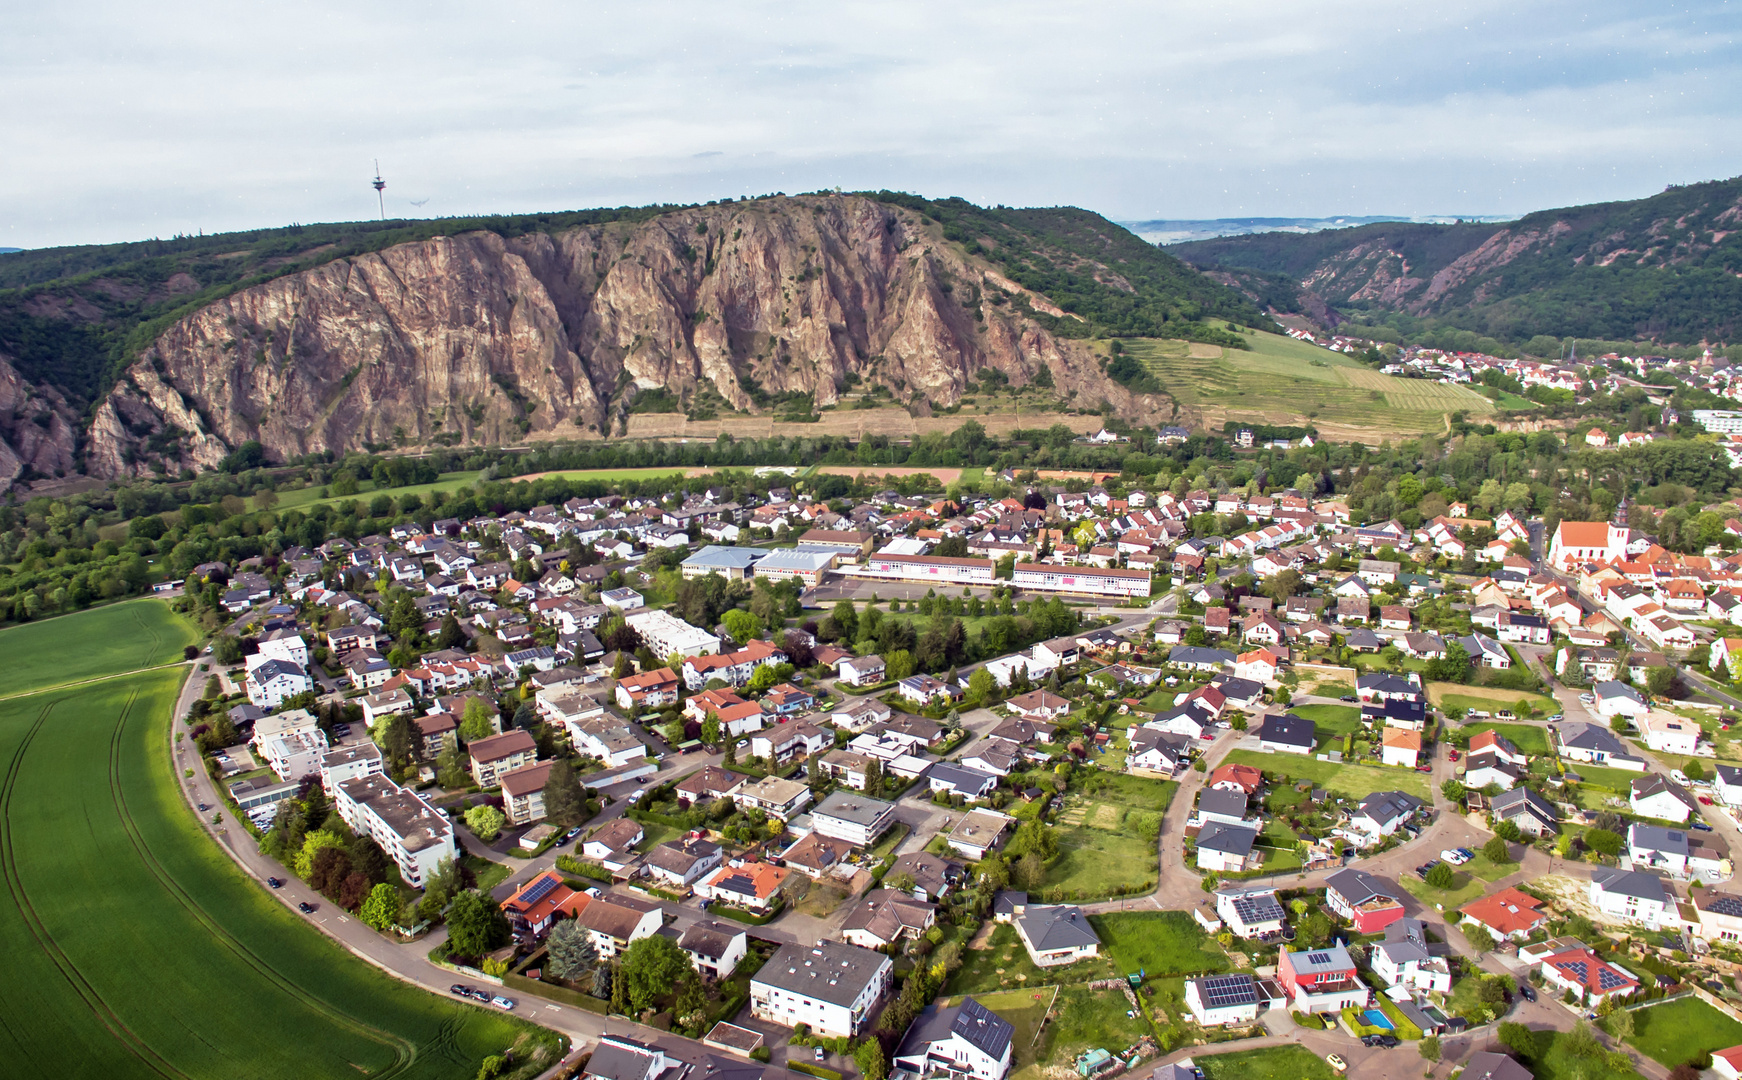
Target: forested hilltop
x=1665, y=269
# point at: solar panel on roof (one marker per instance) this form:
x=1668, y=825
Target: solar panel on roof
x=539, y=890
x=1251, y=909
x=1319, y=958
x=1224, y=990
x=1726, y=905
x=1609, y=980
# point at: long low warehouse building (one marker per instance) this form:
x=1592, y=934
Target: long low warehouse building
x=1093, y=580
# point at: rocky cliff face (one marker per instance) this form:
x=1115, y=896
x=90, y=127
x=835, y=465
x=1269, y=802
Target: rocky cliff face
x=479, y=338
x=38, y=430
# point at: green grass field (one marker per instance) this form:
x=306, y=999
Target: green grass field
x=1286, y=381
x=1024, y=1009
x=1004, y=965
x=1331, y=722
x=1465, y=888
x=1682, y=1030
x=135, y=948
x=1353, y=780
x=1269, y=1063
x=1530, y=739
x=302, y=498
x=1087, y=1019
x=1488, y=698
x=1161, y=943
x=1094, y=863
x=89, y=644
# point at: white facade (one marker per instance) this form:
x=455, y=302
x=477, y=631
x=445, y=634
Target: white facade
x=832, y=987
x=667, y=635
x=414, y=834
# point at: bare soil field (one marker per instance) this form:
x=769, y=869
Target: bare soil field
x=895, y=423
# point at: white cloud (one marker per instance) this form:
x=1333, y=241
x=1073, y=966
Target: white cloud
x=130, y=120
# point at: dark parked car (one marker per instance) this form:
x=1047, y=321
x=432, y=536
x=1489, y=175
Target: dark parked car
x=1527, y=991
x=305, y=907
x=1422, y=870
x=1700, y=825
x=273, y=883
x=460, y=991
x=1390, y=1042
x=204, y=808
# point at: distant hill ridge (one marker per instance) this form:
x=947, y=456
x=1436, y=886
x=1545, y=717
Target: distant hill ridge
x=171, y=354
x=1666, y=268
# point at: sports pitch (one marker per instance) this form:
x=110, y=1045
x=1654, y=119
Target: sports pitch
x=134, y=948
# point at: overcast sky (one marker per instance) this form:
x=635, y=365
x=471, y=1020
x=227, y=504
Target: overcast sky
x=128, y=120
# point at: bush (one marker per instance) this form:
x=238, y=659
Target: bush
x=570, y=864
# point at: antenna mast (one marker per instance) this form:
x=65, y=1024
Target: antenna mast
x=380, y=185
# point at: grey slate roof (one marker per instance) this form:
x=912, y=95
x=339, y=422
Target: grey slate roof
x=1227, y=839
x=1287, y=729
x=1658, y=838
x=1057, y=927
x=1487, y=1065
x=1634, y=883
x=977, y=1025
x=1385, y=807
x=1521, y=800
x=1222, y=801
x=1358, y=886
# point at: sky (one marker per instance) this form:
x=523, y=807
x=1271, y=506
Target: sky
x=129, y=120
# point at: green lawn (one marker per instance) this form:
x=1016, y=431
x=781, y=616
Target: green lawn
x=1160, y=943
x=1465, y=888
x=101, y=641
x=1270, y=1063
x=1024, y=1010
x=1004, y=965
x=1087, y=1019
x=135, y=948
x=1331, y=722
x=302, y=498
x=1553, y=1061
x=1528, y=738
x=488, y=872
x=1619, y=781
x=1094, y=863
x=1488, y=698
x=1352, y=780
x=1682, y=1030
x=1135, y=792
x=1487, y=869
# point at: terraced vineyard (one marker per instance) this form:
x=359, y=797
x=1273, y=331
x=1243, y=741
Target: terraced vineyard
x=1283, y=381
x=135, y=948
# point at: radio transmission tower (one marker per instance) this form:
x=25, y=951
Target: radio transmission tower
x=380, y=185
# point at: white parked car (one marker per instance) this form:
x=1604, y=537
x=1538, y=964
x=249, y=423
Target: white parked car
x=1679, y=777
x=501, y=1002
x=1453, y=856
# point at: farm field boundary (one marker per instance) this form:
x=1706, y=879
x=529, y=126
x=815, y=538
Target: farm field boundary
x=127, y=926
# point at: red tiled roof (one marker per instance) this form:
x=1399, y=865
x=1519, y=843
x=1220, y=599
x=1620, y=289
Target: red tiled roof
x=1507, y=911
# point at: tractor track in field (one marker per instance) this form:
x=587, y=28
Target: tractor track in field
x=405, y=1051
x=88, y=993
